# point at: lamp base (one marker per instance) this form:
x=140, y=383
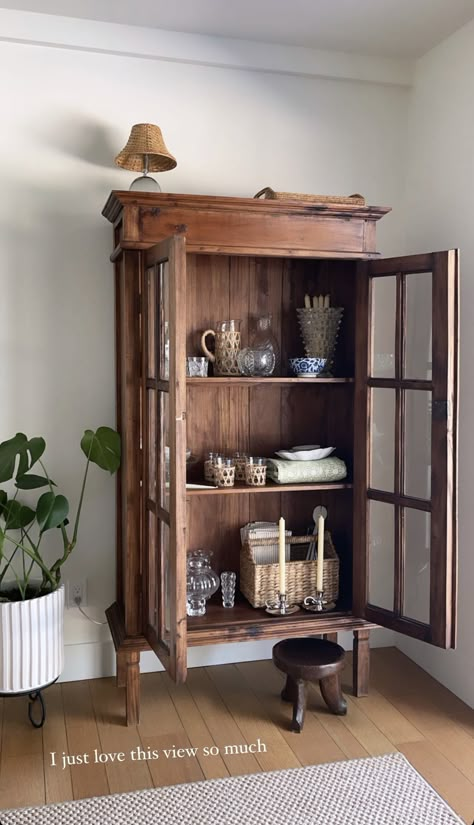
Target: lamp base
x=145, y=184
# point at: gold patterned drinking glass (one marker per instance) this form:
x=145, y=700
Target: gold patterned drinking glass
x=256, y=471
x=224, y=472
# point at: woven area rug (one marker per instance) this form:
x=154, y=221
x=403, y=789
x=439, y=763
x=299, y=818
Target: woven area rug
x=383, y=790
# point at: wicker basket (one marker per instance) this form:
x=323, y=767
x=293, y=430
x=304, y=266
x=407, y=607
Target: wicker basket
x=350, y=200
x=259, y=583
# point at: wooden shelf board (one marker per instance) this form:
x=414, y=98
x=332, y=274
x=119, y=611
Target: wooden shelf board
x=244, y=613
x=246, y=623
x=261, y=382
x=270, y=487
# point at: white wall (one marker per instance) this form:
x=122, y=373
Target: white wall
x=439, y=214
x=67, y=111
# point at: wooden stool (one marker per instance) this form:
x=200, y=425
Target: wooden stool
x=308, y=660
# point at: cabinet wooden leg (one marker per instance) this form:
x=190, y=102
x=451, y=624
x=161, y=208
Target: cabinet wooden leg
x=132, y=688
x=361, y=663
x=121, y=677
x=331, y=637
x=299, y=706
x=332, y=694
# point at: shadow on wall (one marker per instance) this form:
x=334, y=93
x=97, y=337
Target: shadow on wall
x=81, y=138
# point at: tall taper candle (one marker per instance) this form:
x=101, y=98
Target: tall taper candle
x=319, y=571
x=281, y=554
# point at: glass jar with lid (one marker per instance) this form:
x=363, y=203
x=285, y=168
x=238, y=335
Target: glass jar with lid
x=201, y=582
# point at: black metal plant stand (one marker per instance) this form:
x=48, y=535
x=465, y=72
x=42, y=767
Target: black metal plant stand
x=36, y=706
x=36, y=697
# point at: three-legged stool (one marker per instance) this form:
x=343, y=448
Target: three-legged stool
x=310, y=660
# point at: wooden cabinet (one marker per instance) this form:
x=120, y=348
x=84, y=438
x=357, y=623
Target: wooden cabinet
x=183, y=263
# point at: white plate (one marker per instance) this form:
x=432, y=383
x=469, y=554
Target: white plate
x=305, y=455
x=305, y=447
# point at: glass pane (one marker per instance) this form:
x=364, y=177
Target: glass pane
x=165, y=451
x=381, y=554
x=152, y=572
x=382, y=435
x=164, y=321
x=418, y=325
x=384, y=293
x=151, y=322
x=151, y=457
x=416, y=602
x=417, y=444
x=166, y=578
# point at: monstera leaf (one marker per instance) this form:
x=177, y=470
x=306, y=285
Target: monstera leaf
x=102, y=447
x=16, y=515
x=51, y=511
x=30, y=481
x=21, y=453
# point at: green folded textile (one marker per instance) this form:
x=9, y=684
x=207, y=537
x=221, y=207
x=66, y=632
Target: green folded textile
x=294, y=472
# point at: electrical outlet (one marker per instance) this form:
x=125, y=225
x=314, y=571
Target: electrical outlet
x=76, y=589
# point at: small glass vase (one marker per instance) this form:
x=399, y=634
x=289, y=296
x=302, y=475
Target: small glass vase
x=201, y=582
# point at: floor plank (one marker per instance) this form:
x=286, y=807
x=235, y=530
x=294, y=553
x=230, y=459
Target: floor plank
x=117, y=738
x=413, y=681
x=21, y=767
x=212, y=765
x=58, y=782
x=161, y=730
x=83, y=739
x=222, y=725
x=22, y=781
x=387, y=718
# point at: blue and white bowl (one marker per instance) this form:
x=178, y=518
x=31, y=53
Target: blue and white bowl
x=306, y=367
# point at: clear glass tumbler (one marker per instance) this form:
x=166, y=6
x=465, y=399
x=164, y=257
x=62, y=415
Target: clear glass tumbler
x=197, y=366
x=228, y=580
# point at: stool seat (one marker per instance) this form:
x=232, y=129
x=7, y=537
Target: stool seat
x=309, y=660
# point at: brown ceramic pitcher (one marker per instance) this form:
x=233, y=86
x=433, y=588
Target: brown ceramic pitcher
x=227, y=347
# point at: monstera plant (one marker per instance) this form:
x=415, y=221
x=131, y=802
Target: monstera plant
x=31, y=593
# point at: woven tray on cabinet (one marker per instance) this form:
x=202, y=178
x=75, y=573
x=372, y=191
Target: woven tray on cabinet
x=350, y=200
x=259, y=583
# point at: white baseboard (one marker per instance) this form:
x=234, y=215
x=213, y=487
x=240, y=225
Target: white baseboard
x=94, y=660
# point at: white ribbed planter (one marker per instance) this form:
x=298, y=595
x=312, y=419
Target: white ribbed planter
x=31, y=642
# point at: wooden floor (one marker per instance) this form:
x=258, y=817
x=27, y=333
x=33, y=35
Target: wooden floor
x=232, y=705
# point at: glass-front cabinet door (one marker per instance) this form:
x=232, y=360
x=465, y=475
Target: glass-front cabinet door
x=164, y=452
x=405, y=436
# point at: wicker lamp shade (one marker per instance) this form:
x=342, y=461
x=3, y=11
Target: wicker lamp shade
x=145, y=140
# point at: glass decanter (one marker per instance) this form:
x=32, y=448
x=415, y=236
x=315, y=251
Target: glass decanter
x=201, y=582
x=264, y=338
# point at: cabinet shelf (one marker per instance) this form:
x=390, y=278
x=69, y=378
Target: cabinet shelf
x=261, y=382
x=270, y=487
x=244, y=621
